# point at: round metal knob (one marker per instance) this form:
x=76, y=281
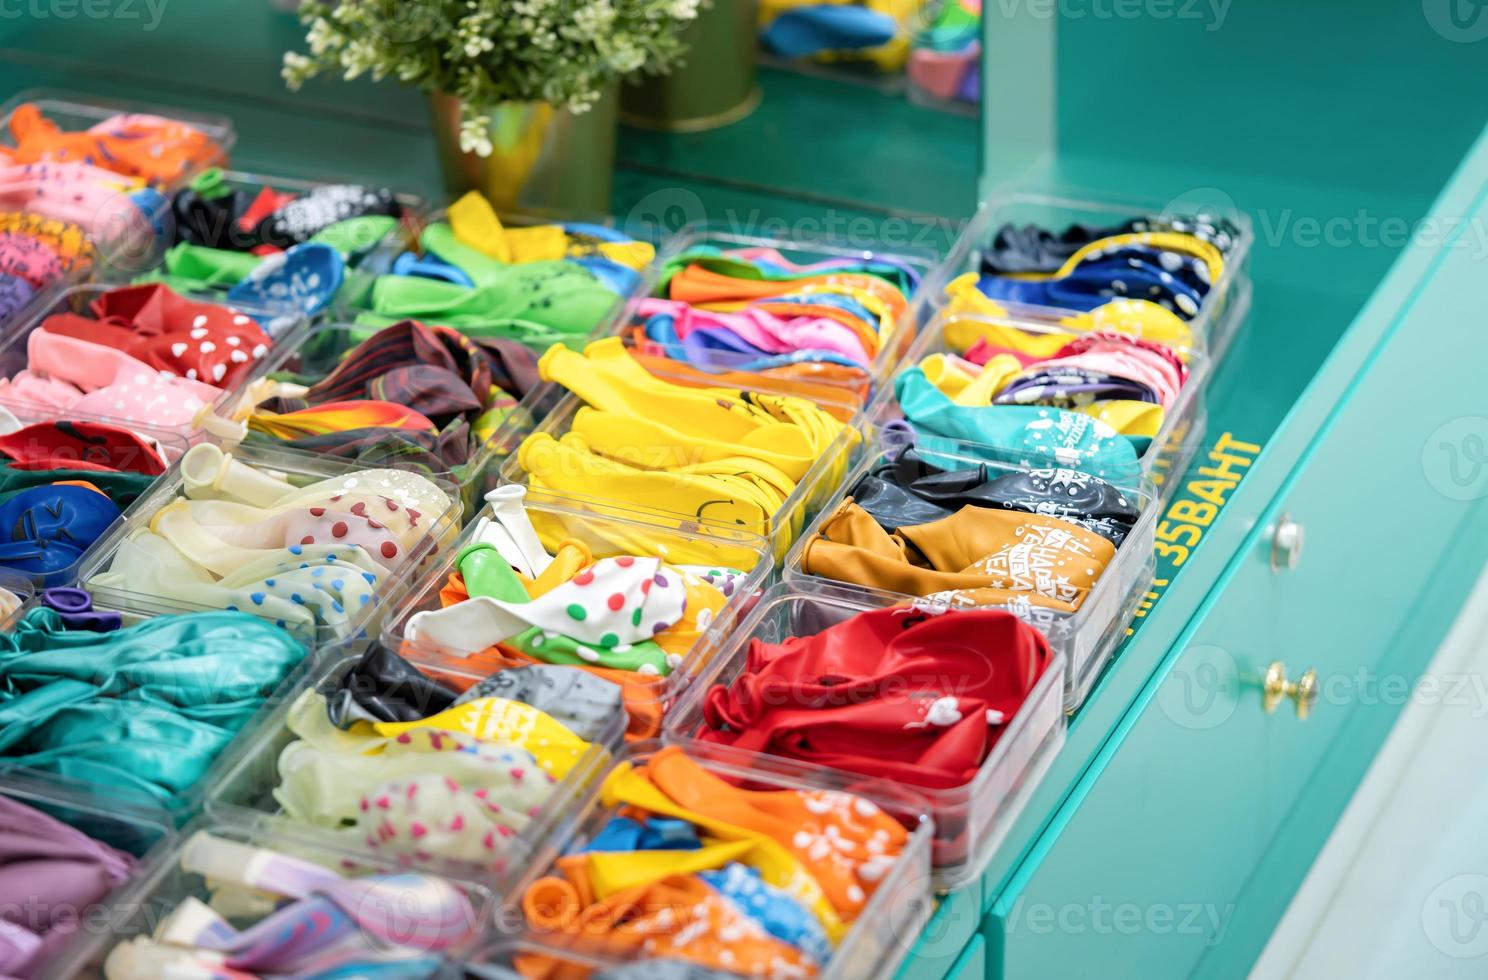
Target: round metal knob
x=1286, y=544
x=1303, y=691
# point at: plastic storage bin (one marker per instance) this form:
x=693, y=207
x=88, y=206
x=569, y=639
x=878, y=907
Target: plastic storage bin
x=44, y=299
x=608, y=532
x=1171, y=449
x=970, y=820
x=107, y=247
x=851, y=387
x=189, y=803
x=354, y=302
x=99, y=575
x=551, y=410
x=122, y=244
x=243, y=793
x=315, y=354
x=142, y=907
x=73, y=111
x=1223, y=310
x=138, y=833
x=1087, y=637
x=873, y=948
x=20, y=588
x=172, y=445
x=251, y=183
x=14, y=341
x=122, y=238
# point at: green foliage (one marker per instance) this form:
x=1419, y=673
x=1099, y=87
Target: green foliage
x=485, y=52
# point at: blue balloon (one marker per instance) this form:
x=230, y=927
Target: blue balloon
x=51, y=526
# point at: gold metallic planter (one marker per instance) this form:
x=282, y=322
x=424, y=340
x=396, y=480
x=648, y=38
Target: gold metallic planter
x=543, y=159
x=714, y=88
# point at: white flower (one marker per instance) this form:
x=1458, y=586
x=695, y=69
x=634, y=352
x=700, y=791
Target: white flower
x=322, y=36
x=475, y=47
x=357, y=57
x=296, y=68
x=475, y=136
x=627, y=58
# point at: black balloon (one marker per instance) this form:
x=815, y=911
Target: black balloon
x=385, y=687
x=907, y=490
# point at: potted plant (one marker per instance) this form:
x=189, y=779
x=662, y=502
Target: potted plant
x=713, y=86
x=522, y=92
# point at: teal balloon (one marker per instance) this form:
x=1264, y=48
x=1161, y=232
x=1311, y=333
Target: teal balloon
x=1039, y=435
x=144, y=709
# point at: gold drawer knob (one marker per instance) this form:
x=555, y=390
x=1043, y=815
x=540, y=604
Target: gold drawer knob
x=1303, y=691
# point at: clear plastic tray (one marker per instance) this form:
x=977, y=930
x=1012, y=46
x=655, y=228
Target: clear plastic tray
x=300, y=470
x=970, y=820
x=189, y=803
x=136, y=832
x=143, y=905
x=113, y=256
x=172, y=444
x=355, y=298
x=551, y=409
x=74, y=111
x=316, y=353
x=878, y=941
x=14, y=340
x=243, y=793
x=853, y=388
x=240, y=180
x=44, y=298
x=1086, y=638
x=608, y=532
x=1223, y=310
x=19, y=585
x=1171, y=450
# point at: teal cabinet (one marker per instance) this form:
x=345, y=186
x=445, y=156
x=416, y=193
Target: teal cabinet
x=1167, y=829
x=1176, y=851
x=941, y=949
x=972, y=964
